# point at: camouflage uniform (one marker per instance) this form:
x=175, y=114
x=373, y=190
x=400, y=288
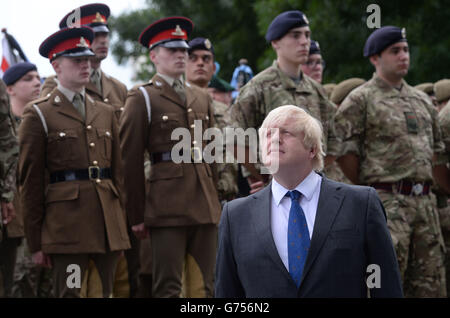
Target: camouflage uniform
x=444, y=207
x=227, y=172
x=8, y=162
x=395, y=134
x=272, y=88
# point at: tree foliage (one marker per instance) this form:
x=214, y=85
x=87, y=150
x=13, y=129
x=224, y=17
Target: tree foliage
x=237, y=29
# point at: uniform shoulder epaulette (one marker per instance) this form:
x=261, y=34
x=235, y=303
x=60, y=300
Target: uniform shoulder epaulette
x=136, y=87
x=41, y=99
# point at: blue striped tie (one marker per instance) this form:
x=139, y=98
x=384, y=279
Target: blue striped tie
x=298, y=238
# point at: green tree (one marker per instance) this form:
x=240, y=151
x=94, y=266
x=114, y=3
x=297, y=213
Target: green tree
x=230, y=25
x=237, y=29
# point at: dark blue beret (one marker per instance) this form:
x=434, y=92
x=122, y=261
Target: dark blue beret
x=200, y=44
x=15, y=72
x=314, y=48
x=382, y=38
x=285, y=22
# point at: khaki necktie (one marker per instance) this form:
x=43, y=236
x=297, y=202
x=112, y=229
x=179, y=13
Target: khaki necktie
x=96, y=80
x=79, y=104
x=179, y=88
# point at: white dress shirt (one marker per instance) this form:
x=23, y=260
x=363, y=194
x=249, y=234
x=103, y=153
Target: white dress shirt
x=280, y=206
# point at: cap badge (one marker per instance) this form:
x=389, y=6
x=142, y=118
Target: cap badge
x=404, y=33
x=208, y=44
x=178, y=31
x=82, y=43
x=317, y=44
x=305, y=19
x=99, y=18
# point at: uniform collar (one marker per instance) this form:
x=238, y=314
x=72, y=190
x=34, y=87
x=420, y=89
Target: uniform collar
x=68, y=93
x=286, y=80
x=170, y=79
x=388, y=88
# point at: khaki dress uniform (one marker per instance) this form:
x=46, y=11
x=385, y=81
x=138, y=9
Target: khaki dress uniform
x=72, y=218
x=180, y=205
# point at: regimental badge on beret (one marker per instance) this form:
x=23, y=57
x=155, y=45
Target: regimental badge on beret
x=404, y=33
x=318, y=46
x=305, y=19
x=208, y=44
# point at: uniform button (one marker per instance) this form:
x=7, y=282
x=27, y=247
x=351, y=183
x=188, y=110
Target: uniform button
x=62, y=134
x=207, y=117
x=108, y=134
x=192, y=126
x=106, y=100
x=98, y=181
x=165, y=118
x=89, y=127
x=121, y=109
x=95, y=163
x=92, y=145
x=189, y=110
x=194, y=142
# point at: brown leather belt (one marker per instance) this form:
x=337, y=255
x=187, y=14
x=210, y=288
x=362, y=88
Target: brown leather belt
x=404, y=187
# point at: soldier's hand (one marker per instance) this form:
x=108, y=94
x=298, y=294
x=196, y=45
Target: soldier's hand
x=140, y=231
x=42, y=259
x=8, y=212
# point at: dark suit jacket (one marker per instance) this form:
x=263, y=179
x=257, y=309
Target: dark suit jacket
x=350, y=232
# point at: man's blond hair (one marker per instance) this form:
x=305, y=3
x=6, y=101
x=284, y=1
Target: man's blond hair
x=304, y=123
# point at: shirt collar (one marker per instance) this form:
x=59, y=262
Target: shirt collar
x=307, y=188
x=170, y=79
x=98, y=71
x=68, y=93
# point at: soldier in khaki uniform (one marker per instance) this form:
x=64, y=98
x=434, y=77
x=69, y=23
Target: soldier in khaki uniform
x=180, y=208
x=284, y=83
x=392, y=142
x=78, y=215
x=101, y=87
x=8, y=163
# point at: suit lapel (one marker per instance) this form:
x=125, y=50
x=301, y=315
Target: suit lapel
x=190, y=96
x=91, y=110
x=64, y=106
x=261, y=223
x=106, y=85
x=330, y=201
x=92, y=89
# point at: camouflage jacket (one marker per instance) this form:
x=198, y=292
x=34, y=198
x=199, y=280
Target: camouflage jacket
x=9, y=148
x=227, y=172
x=395, y=133
x=272, y=88
x=444, y=123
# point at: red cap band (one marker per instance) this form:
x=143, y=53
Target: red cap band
x=69, y=44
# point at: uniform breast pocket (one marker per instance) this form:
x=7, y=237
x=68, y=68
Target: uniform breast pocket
x=163, y=126
x=105, y=140
x=63, y=145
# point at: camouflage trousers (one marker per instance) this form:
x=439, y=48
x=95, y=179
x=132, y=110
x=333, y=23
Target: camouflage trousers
x=444, y=218
x=30, y=280
x=416, y=234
